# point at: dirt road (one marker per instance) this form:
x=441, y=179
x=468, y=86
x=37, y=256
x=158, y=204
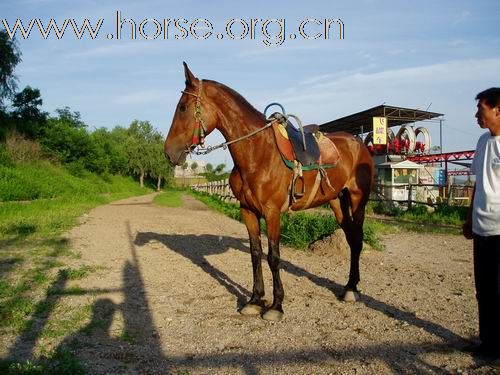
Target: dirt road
x=173, y=279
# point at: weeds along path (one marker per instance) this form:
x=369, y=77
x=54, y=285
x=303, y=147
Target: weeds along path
x=166, y=300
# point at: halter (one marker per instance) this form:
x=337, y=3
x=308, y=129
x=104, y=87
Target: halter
x=199, y=129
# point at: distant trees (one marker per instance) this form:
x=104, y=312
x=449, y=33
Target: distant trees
x=65, y=138
x=214, y=174
x=27, y=116
x=10, y=56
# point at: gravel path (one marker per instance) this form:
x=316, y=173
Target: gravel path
x=174, y=278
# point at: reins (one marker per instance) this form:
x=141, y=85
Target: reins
x=199, y=130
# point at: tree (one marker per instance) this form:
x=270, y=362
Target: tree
x=68, y=144
x=73, y=119
x=119, y=158
x=209, y=168
x=160, y=168
x=185, y=166
x=194, y=167
x=27, y=116
x=140, y=147
x=10, y=56
x=220, y=168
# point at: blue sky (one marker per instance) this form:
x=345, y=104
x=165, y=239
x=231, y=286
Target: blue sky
x=412, y=54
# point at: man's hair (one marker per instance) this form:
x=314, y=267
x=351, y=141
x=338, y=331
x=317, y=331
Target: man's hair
x=491, y=97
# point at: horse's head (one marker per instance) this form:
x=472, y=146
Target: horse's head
x=194, y=118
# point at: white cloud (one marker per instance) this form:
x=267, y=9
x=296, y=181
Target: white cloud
x=450, y=87
x=462, y=17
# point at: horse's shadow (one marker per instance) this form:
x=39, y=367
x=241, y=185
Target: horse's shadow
x=197, y=248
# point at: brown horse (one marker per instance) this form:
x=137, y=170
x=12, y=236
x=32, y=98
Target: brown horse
x=260, y=180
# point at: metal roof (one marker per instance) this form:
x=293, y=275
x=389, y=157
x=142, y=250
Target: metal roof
x=362, y=122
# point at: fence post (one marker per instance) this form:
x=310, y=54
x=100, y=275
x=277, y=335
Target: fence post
x=409, y=195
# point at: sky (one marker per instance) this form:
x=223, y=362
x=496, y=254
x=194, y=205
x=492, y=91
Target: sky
x=434, y=55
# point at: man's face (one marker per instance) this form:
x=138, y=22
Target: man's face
x=487, y=117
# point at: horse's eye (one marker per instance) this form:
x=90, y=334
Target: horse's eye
x=182, y=108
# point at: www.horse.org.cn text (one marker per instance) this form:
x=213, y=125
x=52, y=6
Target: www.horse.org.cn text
x=271, y=31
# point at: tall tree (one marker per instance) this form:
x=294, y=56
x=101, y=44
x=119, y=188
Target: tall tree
x=160, y=168
x=140, y=148
x=27, y=116
x=10, y=56
x=66, y=138
x=194, y=167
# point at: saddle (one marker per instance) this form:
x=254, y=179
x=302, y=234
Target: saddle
x=309, y=150
x=317, y=150
x=304, y=145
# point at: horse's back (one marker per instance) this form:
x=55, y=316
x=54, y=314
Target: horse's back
x=355, y=156
x=347, y=143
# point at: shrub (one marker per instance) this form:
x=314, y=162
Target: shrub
x=5, y=158
x=21, y=149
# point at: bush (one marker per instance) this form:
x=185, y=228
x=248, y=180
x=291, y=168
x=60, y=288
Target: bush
x=5, y=158
x=76, y=168
x=21, y=149
x=301, y=229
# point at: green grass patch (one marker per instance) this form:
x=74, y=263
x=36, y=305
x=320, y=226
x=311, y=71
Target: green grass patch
x=78, y=273
x=231, y=210
x=60, y=361
x=443, y=214
x=301, y=229
x=169, y=198
x=66, y=320
x=42, y=180
x=33, y=276
x=128, y=337
x=444, y=219
x=298, y=230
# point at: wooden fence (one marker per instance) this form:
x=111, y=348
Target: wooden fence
x=220, y=188
x=406, y=195
x=424, y=194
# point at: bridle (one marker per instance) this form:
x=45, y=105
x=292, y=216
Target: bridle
x=199, y=129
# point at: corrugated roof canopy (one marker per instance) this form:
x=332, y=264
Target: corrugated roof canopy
x=396, y=116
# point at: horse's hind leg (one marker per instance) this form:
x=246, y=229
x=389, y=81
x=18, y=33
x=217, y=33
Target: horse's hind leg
x=349, y=210
x=255, y=305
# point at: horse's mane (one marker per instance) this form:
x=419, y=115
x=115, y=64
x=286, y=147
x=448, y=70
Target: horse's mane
x=236, y=96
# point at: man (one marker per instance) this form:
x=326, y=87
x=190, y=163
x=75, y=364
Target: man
x=483, y=223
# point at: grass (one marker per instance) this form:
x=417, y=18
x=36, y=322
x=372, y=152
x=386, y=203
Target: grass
x=169, y=198
x=35, y=284
x=60, y=361
x=128, y=337
x=42, y=180
x=444, y=219
x=299, y=229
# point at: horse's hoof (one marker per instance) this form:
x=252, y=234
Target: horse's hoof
x=273, y=315
x=350, y=296
x=251, y=309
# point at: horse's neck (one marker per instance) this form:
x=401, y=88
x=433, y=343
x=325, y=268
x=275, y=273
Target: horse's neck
x=237, y=120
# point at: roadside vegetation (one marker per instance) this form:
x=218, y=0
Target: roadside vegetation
x=301, y=229
x=444, y=218
x=35, y=281
x=53, y=169
x=170, y=197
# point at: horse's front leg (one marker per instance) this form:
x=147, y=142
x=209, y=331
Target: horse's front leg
x=275, y=312
x=255, y=305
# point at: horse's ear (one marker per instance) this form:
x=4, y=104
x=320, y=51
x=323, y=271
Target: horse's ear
x=190, y=78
